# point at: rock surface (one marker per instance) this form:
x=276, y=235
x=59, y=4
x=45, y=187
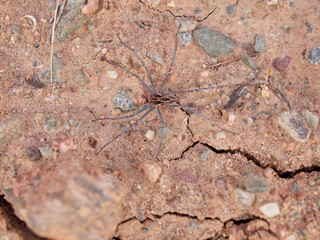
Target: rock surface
x=212, y=42
x=71, y=201
x=71, y=20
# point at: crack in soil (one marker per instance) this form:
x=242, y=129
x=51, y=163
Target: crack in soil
x=248, y=156
x=180, y=16
x=246, y=220
x=14, y=223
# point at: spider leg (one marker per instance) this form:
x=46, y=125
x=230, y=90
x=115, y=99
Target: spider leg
x=126, y=130
x=201, y=115
x=161, y=133
x=142, y=63
x=172, y=61
x=131, y=73
x=123, y=117
x=210, y=87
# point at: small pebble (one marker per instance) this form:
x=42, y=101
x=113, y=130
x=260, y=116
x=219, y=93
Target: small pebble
x=51, y=124
x=281, y=63
x=188, y=176
x=220, y=135
x=185, y=39
x=167, y=132
x=150, y=134
x=204, y=155
x=97, y=49
x=272, y=2
x=79, y=77
x=249, y=62
x=66, y=144
x=256, y=183
x=244, y=198
x=33, y=153
x=270, y=209
x=231, y=118
x=292, y=122
x=259, y=44
x=104, y=50
x=155, y=57
x=47, y=152
x=152, y=170
x=213, y=43
x=187, y=25
x=92, y=142
x=231, y=9
x=314, y=56
x=112, y=74
x=220, y=183
x=310, y=118
x=123, y=101
x=36, y=45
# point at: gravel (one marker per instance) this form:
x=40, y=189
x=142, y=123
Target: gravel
x=270, y=209
x=72, y=19
x=155, y=57
x=33, y=153
x=314, y=56
x=256, y=183
x=259, y=44
x=123, y=101
x=79, y=77
x=51, y=124
x=281, y=63
x=185, y=39
x=212, y=42
x=45, y=74
x=244, y=198
x=292, y=122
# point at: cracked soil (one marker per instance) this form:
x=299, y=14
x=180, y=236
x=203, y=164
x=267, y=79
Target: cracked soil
x=195, y=190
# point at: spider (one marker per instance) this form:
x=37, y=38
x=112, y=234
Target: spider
x=157, y=98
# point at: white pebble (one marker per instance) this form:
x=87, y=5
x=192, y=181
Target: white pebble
x=150, y=134
x=232, y=117
x=270, y=209
x=220, y=135
x=104, y=50
x=112, y=74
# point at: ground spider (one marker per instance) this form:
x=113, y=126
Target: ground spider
x=156, y=98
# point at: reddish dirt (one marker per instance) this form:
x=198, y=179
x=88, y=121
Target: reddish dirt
x=193, y=190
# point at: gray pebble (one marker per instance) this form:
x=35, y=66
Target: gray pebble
x=185, y=39
x=204, y=154
x=230, y=9
x=123, y=101
x=79, y=77
x=155, y=57
x=213, y=43
x=47, y=152
x=259, y=43
x=244, y=198
x=256, y=183
x=44, y=75
x=293, y=123
x=51, y=124
x=167, y=132
x=72, y=19
x=310, y=118
x=314, y=56
x=33, y=153
x=187, y=25
x=249, y=62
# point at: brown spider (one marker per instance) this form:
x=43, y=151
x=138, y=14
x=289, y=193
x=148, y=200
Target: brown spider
x=156, y=98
